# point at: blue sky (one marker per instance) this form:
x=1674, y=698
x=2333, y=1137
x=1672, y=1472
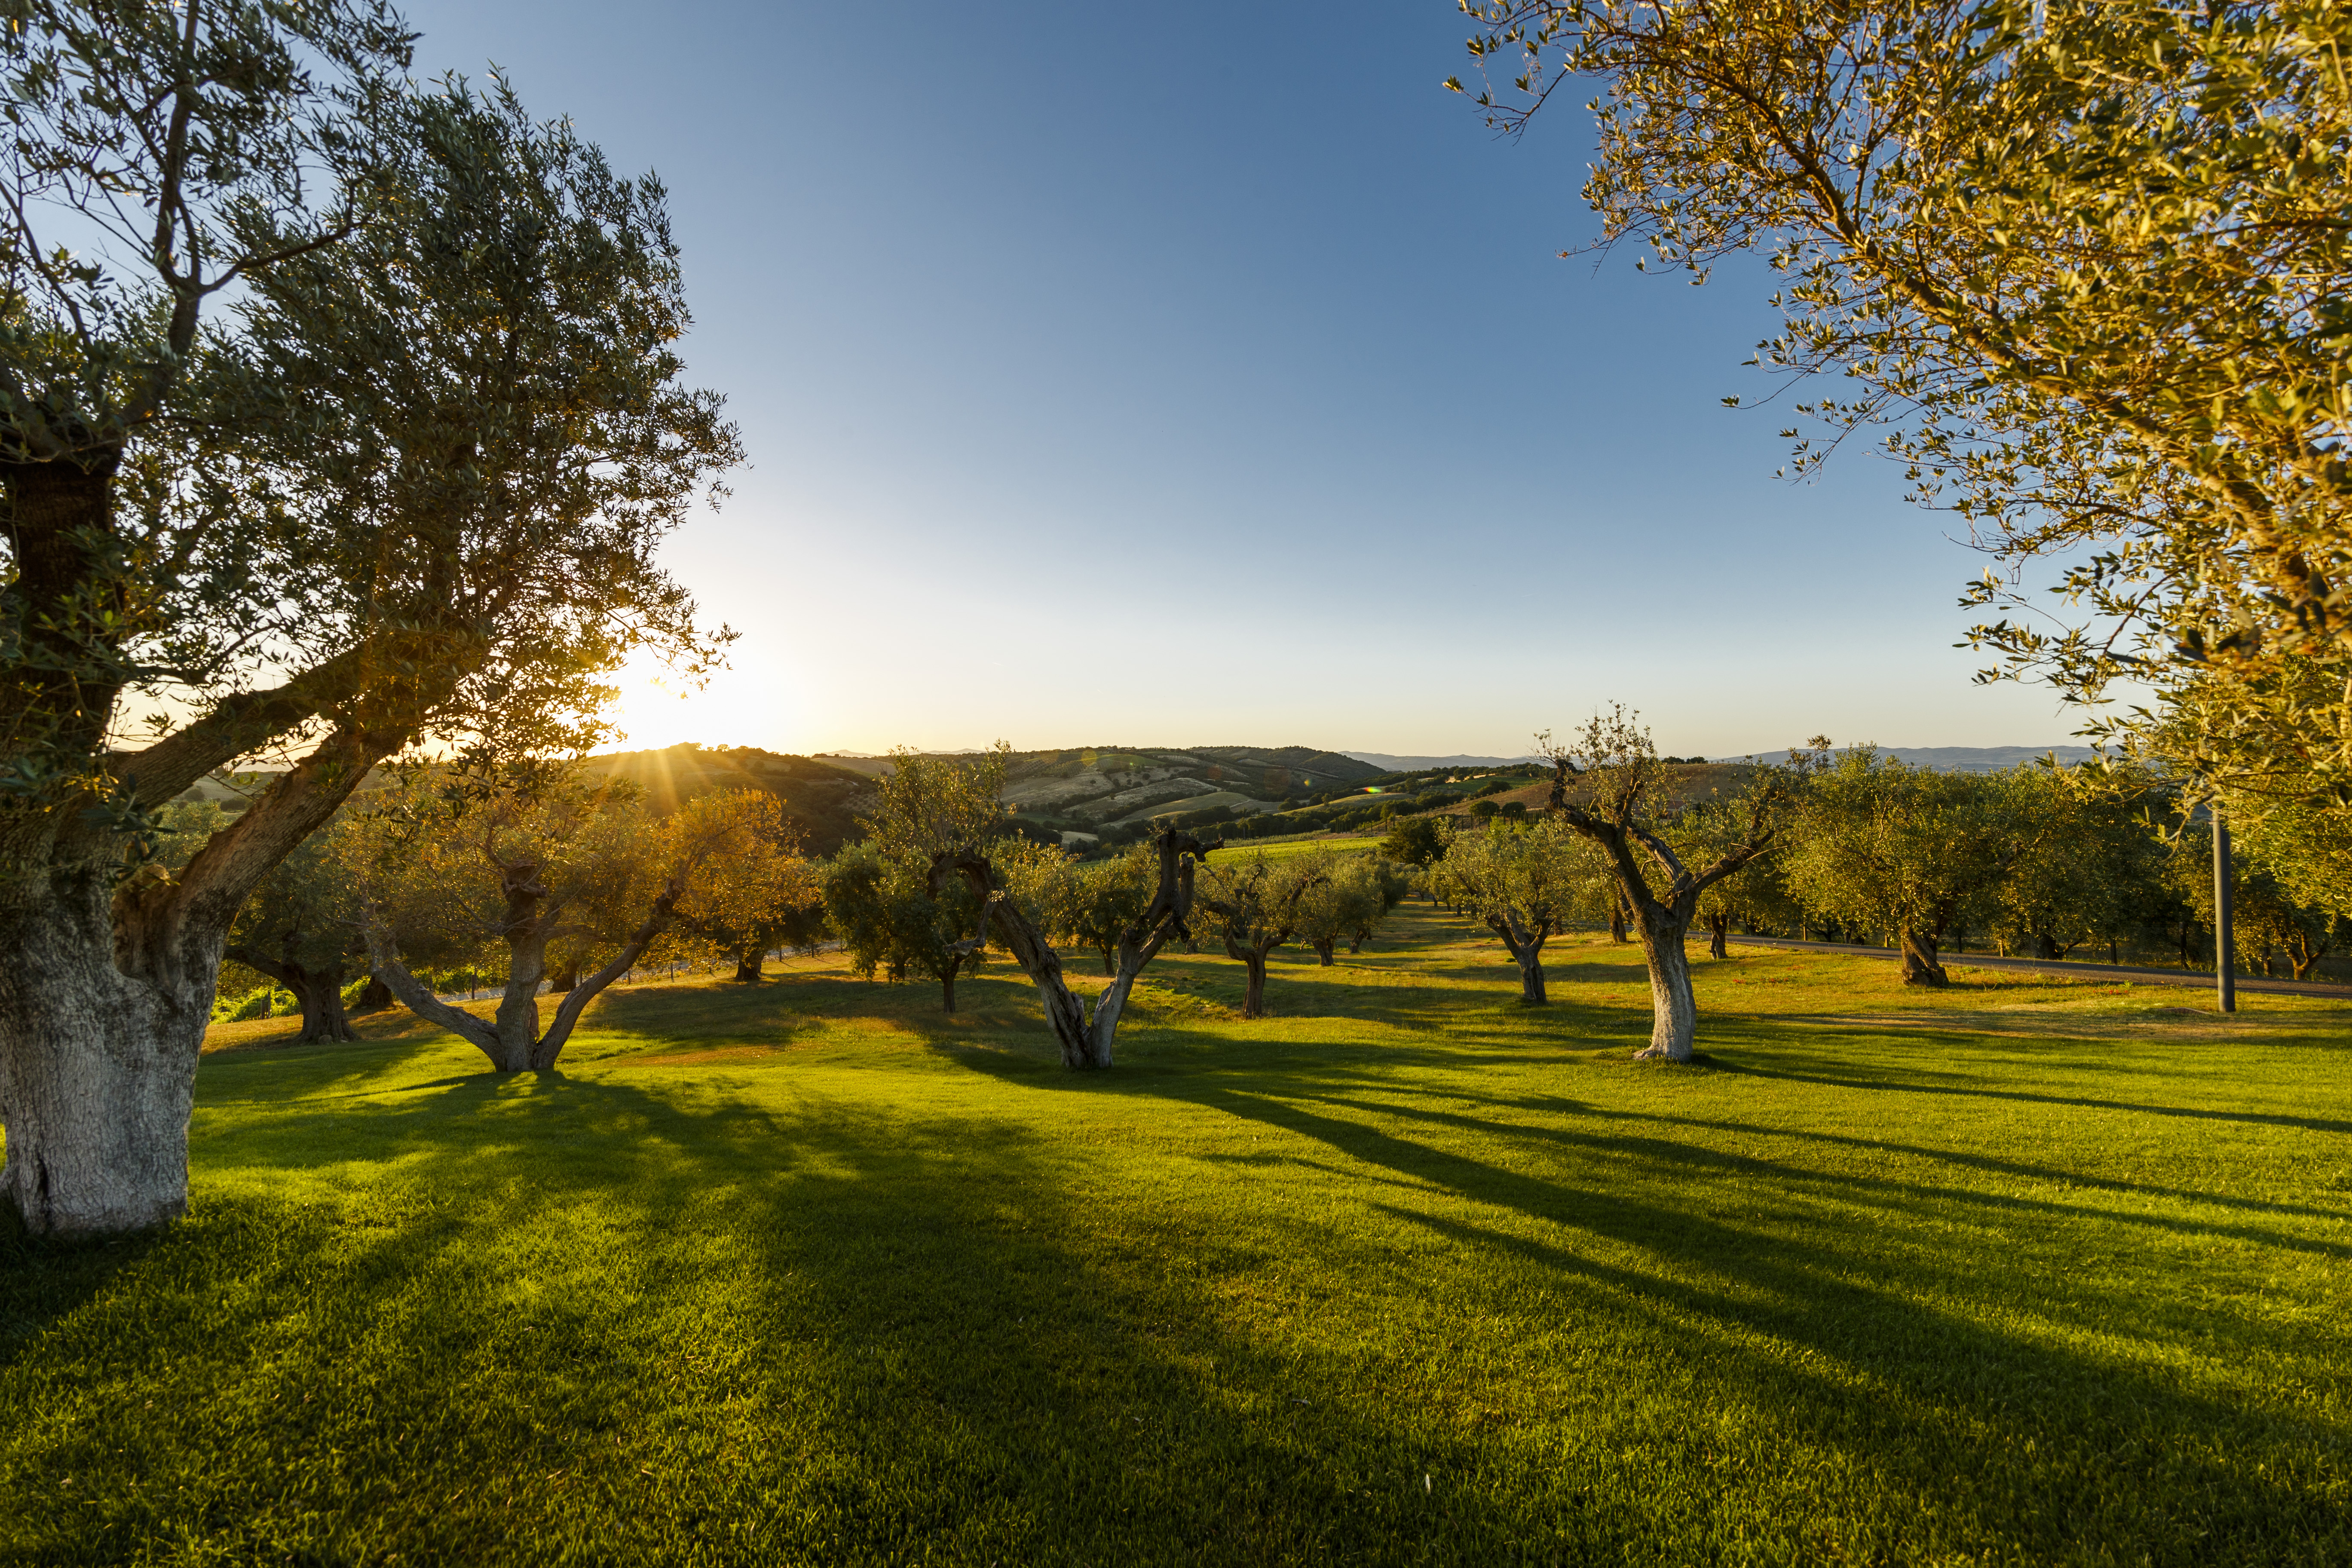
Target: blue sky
x=1205, y=373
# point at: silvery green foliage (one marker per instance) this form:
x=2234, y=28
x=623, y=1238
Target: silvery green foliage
x=2082, y=261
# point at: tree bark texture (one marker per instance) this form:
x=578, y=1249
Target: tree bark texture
x=1674, y=1011
x=1718, y=931
x=1322, y=947
x=98, y=1071
x=948, y=973
x=1921, y=966
x=1253, y=960
x=318, y=991
x=753, y=961
x=108, y=988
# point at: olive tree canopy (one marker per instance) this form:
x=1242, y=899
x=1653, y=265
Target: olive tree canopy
x=2083, y=261
x=411, y=488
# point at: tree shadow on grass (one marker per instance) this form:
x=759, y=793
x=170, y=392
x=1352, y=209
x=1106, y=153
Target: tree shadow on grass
x=728, y=1333
x=1954, y=1396
x=615, y=1317
x=1902, y=1080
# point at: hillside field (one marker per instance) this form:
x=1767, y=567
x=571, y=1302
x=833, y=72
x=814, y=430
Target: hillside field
x=2025, y=1271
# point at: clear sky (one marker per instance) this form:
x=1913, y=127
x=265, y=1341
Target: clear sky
x=1204, y=373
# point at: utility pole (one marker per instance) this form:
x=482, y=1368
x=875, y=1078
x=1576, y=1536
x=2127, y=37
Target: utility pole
x=2225, y=977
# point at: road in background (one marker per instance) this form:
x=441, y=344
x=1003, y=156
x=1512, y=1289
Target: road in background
x=2200, y=978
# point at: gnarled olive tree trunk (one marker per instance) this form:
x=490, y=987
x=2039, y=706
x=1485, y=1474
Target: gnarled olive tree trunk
x=1673, y=1010
x=1718, y=931
x=107, y=985
x=1525, y=948
x=511, y=1038
x=1085, y=1036
x=318, y=991
x=1252, y=955
x=1920, y=964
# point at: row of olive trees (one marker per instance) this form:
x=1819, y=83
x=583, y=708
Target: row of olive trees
x=2046, y=858
x=939, y=877
x=337, y=413
x=2042, y=860
x=547, y=878
x=558, y=880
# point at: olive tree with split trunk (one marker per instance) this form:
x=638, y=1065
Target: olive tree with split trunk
x=509, y=857
x=1021, y=892
x=1618, y=805
x=414, y=479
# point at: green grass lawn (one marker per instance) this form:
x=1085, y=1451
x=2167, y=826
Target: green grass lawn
x=2023, y=1272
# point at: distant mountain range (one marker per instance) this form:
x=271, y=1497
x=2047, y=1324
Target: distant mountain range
x=1944, y=759
x=1389, y=762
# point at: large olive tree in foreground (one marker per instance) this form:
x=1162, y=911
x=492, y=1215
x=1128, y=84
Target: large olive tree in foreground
x=413, y=487
x=1616, y=802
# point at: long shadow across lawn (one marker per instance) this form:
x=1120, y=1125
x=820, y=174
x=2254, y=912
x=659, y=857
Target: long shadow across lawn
x=807, y=1336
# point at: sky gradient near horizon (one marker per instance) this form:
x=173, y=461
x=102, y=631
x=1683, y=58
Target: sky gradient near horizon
x=1206, y=374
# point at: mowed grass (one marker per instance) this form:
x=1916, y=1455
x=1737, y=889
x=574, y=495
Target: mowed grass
x=2023, y=1272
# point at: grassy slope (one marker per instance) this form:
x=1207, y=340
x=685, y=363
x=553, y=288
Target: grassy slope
x=2023, y=1272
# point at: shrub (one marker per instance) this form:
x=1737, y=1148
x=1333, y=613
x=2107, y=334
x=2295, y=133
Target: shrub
x=1483, y=809
x=267, y=1002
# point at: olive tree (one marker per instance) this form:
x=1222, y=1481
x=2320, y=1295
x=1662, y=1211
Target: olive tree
x=2095, y=872
x=300, y=928
x=1606, y=786
x=884, y=900
x=1253, y=904
x=1096, y=901
x=1023, y=888
x=511, y=857
x=1345, y=906
x=1885, y=847
x=160, y=155
x=409, y=489
x=890, y=919
x=1524, y=883
x=762, y=897
x=2085, y=260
